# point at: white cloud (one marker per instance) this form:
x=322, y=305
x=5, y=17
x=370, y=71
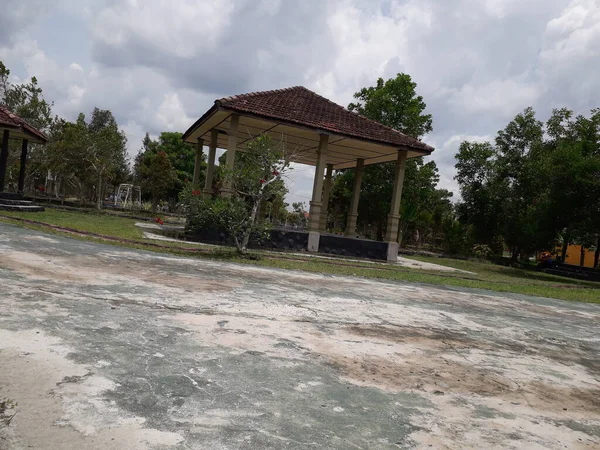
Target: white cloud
x=503, y=98
x=446, y=161
x=574, y=35
x=179, y=28
x=171, y=115
x=134, y=133
x=76, y=94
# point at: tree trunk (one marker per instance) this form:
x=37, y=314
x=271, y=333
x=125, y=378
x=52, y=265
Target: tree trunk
x=563, y=253
x=514, y=254
x=243, y=248
x=80, y=191
x=523, y=256
x=99, y=193
x=154, y=203
x=63, y=190
x=597, y=254
x=380, y=231
x=582, y=256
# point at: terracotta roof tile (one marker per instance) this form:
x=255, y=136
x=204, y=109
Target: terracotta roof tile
x=301, y=106
x=8, y=118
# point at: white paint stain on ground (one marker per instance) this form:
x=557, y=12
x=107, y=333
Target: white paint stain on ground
x=61, y=402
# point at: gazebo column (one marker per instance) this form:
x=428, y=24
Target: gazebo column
x=325, y=200
x=210, y=166
x=21, y=184
x=3, y=159
x=230, y=156
x=393, y=222
x=316, y=203
x=198, y=162
x=353, y=214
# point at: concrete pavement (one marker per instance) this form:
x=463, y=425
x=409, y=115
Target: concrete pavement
x=111, y=348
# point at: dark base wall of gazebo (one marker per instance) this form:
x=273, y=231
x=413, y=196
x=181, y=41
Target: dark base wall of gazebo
x=298, y=241
x=279, y=239
x=358, y=248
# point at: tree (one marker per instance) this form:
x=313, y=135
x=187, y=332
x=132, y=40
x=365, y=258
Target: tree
x=65, y=153
x=181, y=155
x=481, y=191
x=256, y=171
x=105, y=148
x=538, y=184
x=92, y=154
x=396, y=104
x=27, y=101
x=157, y=176
x=573, y=163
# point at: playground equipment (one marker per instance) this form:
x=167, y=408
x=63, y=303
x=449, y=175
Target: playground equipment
x=128, y=196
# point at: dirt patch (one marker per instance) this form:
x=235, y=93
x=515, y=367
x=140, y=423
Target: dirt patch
x=107, y=271
x=555, y=398
x=438, y=376
x=432, y=338
x=438, y=371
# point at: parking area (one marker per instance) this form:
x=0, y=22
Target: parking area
x=112, y=348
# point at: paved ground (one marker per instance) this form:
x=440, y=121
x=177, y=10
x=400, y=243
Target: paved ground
x=106, y=348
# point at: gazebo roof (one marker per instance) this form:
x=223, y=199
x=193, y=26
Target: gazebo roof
x=299, y=116
x=19, y=128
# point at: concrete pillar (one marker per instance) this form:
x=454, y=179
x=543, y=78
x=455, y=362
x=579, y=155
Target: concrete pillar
x=3, y=159
x=210, y=164
x=314, y=222
x=353, y=214
x=393, y=222
x=21, y=184
x=198, y=162
x=326, y=193
x=230, y=156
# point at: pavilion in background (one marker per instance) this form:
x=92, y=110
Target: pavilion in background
x=331, y=137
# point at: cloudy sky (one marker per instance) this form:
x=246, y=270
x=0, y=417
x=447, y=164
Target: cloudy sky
x=158, y=65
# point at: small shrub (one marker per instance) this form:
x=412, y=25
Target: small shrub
x=481, y=251
x=251, y=181
x=456, y=237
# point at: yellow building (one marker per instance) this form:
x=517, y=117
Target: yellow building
x=573, y=256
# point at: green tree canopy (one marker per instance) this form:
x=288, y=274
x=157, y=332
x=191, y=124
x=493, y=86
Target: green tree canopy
x=182, y=157
x=394, y=103
x=537, y=184
x=157, y=176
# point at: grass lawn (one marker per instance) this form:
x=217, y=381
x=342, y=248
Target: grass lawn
x=486, y=275
x=94, y=222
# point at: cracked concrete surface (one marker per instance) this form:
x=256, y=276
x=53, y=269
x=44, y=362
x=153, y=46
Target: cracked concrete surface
x=109, y=348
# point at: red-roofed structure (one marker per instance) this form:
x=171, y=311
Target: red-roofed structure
x=14, y=127
x=327, y=135
x=19, y=128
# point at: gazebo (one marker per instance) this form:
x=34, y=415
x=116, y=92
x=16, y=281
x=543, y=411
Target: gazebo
x=331, y=137
x=15, y=128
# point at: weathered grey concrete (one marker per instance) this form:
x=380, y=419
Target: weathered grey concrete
x=106, y=348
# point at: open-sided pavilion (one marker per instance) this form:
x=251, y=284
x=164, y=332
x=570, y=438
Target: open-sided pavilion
x=331, y=137
x=12, y=127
